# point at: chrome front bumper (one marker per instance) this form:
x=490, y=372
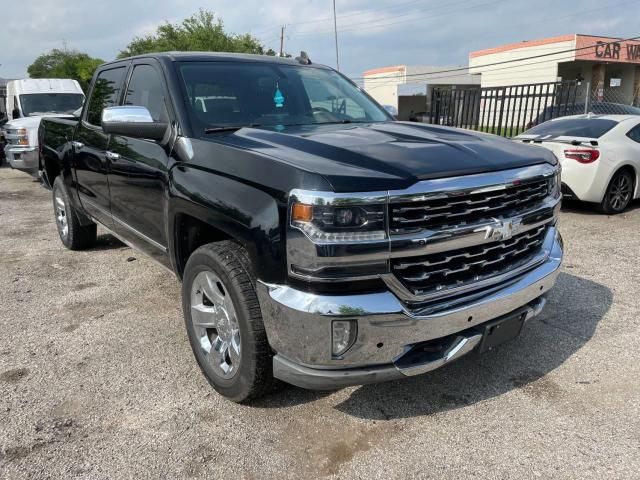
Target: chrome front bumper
x=298, y=326
x=21, y=158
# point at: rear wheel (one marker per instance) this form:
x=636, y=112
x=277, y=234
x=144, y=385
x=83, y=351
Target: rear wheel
x=73, y=234
x=619, y=193
x=224, y=322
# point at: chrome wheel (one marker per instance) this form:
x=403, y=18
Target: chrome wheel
x=215, y=324
x=61, y=215
x=620, y=192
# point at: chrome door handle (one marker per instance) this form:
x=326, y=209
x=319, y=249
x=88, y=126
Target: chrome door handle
x=114, y=157
x=77, y=145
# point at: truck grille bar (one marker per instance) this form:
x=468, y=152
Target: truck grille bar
x=443, y=271
x=470, y=233
x=412, y=216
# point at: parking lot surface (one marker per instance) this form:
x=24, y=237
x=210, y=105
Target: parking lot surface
x=97, y=379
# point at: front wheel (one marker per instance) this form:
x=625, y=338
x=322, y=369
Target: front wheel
x=224, y=322
x=618, y=194
x=73, y=234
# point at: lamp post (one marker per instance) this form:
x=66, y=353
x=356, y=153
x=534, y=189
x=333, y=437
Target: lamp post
x=335, y=34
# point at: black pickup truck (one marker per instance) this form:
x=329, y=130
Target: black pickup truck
x=318, y=241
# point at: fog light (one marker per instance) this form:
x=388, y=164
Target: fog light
x=343, y=336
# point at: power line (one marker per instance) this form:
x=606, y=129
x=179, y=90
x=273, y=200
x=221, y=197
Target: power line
x=346, y=15
x=499, y=63
x=490, y=70
x=538, y=21
x=414, y=17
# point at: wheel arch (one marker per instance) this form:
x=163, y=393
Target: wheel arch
x=205, y=207
x=635, y=173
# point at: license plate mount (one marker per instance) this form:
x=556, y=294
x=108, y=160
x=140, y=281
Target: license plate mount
x=500, y=330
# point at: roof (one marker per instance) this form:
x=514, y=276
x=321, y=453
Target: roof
x=40, y=85
x=215, y=57
x=375, y=71
x=617, y=118
x=523, y=44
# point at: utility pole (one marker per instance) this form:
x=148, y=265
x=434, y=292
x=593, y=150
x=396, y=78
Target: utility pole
x=335, y=33
x=282, y=41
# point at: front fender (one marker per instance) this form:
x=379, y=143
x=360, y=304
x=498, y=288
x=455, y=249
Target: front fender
x=241, y=211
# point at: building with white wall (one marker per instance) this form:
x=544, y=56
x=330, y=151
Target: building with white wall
x=611, y=66
x=408, y=88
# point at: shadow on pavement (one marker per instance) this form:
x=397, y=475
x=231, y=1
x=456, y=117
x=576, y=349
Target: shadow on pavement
x=576, y=206
x=106, y=242
x=575, y=307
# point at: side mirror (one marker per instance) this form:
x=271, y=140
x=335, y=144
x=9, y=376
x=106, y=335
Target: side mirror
x=15, y=113
x=132, y=121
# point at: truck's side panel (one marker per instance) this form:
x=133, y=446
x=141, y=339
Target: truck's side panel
x=241, y=211
x=55, y=136
x=138, y=179
x=138, y=168
x=91, y=144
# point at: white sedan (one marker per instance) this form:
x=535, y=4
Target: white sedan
x=600, y=156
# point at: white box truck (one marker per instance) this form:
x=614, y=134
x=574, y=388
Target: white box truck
x=27, y=101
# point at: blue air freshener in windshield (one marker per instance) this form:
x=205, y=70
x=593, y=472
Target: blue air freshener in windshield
x=278, y=98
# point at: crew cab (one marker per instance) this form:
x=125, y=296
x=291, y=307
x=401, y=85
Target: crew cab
x=318, y=241
x=27, y=101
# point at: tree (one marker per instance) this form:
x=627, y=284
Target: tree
x=65, y=64
x=202, y=31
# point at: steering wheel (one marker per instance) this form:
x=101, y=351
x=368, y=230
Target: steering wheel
x=320, y=110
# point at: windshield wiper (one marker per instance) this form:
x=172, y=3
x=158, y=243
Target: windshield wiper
x=337, y=122
x=228, y=128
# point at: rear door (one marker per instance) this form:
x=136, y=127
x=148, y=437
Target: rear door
x=90, y=144
x=138, y=168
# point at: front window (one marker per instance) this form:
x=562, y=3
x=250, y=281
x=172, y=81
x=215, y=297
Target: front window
x=43, y=103
x=269, y=94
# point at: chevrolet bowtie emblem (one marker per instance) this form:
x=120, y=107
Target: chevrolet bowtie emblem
x=503, y=229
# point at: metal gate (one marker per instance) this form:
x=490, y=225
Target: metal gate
x=505, y=111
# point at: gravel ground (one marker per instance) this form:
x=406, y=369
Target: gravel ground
x=97, y=379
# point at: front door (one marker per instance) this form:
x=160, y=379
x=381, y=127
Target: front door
x=90, y=146
x=138, y=168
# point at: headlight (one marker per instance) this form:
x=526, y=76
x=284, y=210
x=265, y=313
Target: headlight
x=337, y=236
x=555, y=183
x=20, y=137
x=334, y=218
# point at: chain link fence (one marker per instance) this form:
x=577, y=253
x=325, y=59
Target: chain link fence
x=613, y=100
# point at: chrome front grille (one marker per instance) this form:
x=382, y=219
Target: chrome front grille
x=430, y=274
x=438, y=211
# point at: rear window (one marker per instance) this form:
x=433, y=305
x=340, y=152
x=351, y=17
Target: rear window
x=574, y=127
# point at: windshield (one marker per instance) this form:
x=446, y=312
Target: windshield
x=39, y=103
x=236, y=94
x=577, y=127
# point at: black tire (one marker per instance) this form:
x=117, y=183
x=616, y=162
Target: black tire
x=619, y=193
x=228, y=262
x=76, y=236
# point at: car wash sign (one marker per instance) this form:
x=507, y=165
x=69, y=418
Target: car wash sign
x=604, y=49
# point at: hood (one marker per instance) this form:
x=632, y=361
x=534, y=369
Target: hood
x=24, y=122
x=33, y=121
x=386, y=156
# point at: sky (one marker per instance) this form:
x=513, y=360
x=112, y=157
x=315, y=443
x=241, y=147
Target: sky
x=371, y=33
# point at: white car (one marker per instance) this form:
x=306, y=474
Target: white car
x=600, y=157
